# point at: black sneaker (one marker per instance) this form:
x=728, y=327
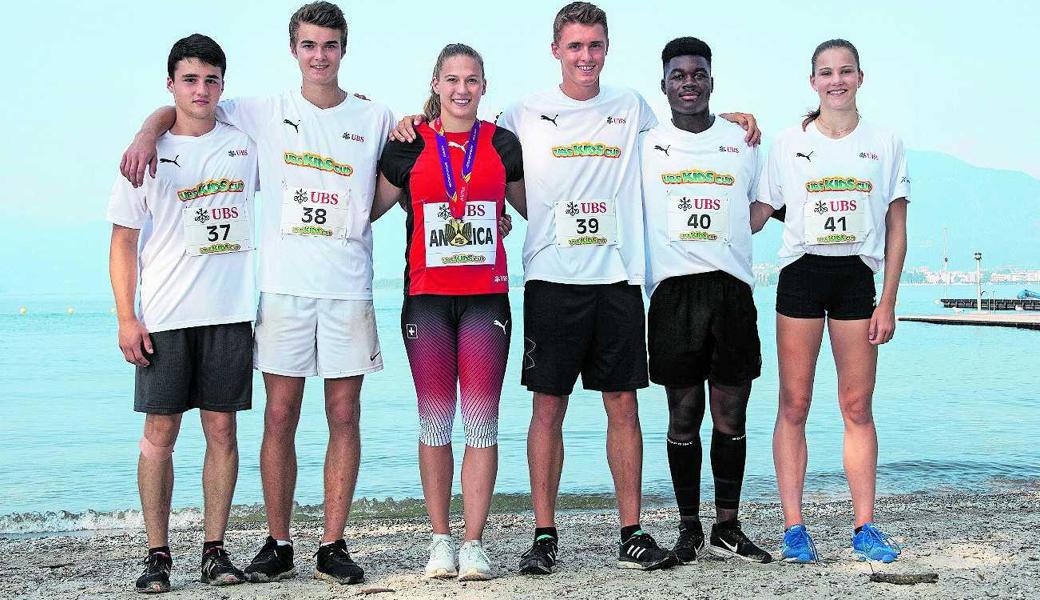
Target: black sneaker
x=156, y=576
x=641, y=552
x=541, y=558
x=690, y=543
x=335, y=564
x=218, y=570
x=727, y=541
x=271, y=563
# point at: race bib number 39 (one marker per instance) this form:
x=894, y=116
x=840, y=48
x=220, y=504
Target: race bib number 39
x=693, y=219
x=315, y=213
x=585, y=223
x=471, y=240
x=217, y=230
x=839, y=220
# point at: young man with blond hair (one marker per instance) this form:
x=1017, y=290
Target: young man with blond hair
x=318, y=150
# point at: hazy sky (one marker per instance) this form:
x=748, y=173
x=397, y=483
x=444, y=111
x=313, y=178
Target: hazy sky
x=957, y=77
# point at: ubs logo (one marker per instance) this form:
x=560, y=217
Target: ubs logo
x=353, y=137
x=616, y=120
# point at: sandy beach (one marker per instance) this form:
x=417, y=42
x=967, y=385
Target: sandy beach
x=979, y=545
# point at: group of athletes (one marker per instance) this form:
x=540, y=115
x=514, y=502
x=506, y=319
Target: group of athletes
x=614, y=200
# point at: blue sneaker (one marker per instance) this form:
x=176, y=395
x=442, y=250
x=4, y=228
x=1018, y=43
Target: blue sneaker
x=798, y=546
x=873, y=544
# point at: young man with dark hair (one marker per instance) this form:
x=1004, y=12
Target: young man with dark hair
x=699, y=187
x=318, y=149
x=190, y=228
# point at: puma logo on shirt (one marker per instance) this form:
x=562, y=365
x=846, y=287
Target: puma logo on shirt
x=295, y=125
x=552, y=120
x=171, y=161
x=665, y=149
x=457, y=145
x=807, y=157
x=499, y=324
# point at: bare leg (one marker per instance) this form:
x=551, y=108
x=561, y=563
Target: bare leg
x=278, y=450
x=856, y=360
x=437, y=470
x=219, y=472
x=479, y=468
x=625, y=453
x=155, y=478
x=797, y=348
x=545, y=455
x=343, y=411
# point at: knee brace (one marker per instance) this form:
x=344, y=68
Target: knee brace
x=153, y=452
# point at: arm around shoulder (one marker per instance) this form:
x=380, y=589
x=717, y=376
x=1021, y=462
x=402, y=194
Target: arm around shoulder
x=141, y=154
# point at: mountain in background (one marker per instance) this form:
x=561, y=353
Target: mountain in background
x=993, y=211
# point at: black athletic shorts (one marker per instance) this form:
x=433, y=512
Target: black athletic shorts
x=208, y=367
x=596, y=331
x=840, y=287
x=703, y=327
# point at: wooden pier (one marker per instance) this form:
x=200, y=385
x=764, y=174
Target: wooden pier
x=992, y=303
x=1018, y=319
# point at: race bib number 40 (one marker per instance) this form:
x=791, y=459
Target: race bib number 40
x=585, y=223
x=692, y=219
x=315, y=213
x=217, y=230
x=839, y=220
x=471, y=240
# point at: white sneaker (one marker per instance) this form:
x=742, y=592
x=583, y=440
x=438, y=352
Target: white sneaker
x=474, y=564
x=442, y=557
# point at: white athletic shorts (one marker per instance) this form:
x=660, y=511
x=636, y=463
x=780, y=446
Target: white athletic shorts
x=300, y=337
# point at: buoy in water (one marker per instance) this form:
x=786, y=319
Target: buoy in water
x=22, y=310
x=69, y=310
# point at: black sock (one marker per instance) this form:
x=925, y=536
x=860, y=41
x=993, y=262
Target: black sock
x=550, y=531
x=684, y=461
x=728, y=454
x=207, y=546
x=163, y=549
x=628, y=531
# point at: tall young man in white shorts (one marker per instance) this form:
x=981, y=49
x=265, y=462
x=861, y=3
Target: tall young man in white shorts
x=190, y=229
x=700, y=182
x=318, y=150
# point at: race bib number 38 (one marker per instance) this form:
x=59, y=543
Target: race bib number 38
x=471, y=240
x=839, y=220
x=315, y=213
x=693, y=219
x=217, y=230
x=585, y=223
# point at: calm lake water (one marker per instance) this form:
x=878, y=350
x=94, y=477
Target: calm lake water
x=957, y=408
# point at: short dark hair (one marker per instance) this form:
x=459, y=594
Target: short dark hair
x=197, y=46
x=685, y=46
x=583, y=13
x=322, y=14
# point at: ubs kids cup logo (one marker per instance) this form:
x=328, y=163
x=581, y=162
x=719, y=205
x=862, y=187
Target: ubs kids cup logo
x=586, y=149
x=697, y=176
x=311, y=160
x=839, y=184
x=210, y=188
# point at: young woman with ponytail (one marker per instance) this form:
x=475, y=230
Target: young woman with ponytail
x=452, y=182
x=844, y=182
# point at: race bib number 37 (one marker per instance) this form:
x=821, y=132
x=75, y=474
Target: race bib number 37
x=471, y=240
x=835, y=220
x=315, y=213
x=693, y=219
x=585, y=223
x=217, y=230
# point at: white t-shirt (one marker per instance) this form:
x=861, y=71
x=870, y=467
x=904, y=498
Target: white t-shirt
x=195, y=259
x=581, y=171
x=318, y=176
x=837, y=192
x=697, y=192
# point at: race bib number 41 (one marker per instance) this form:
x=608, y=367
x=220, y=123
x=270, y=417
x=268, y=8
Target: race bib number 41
x=839, y=220
x=315, y=213
x=585, y=223
x=217, y=230
x=471, y=240
x=692, y=219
